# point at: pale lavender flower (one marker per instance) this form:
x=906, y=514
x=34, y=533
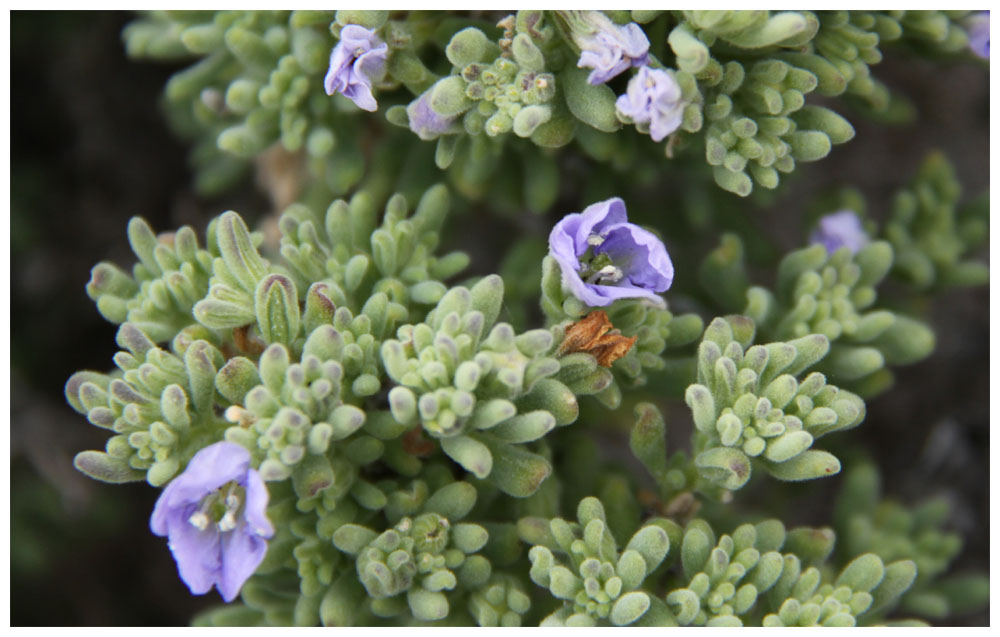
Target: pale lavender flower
x=608, y=48
x=840, y=229
x=604, y=258
x=214, y=515
x=426, y=123
x=357, y=60
x=978, y=27
x=652, y=102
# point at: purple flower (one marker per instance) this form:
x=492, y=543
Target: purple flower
x=604, y=258
x=357, y=59
x=652, y=102
x=214, y=515
x=608, y=48
x=978, y=27
x=840, y=229
x=426, y=123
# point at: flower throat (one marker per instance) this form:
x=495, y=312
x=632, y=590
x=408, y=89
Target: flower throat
x=598, y=267
x=222, y=508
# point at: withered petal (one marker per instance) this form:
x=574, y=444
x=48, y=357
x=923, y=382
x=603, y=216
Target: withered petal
x=594, y=335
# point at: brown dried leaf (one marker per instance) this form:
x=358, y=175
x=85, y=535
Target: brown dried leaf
x=415, y=444
x=580, y=336
x=595, y=335
x=246, y=342
x=615, y=347
x=682, y=508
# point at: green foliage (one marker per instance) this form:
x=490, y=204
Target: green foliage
x=834, y=295
x=745, y=579
x=757, y=122
x=501, y=602
x=868, y=523
x=413, y=431
x=255, y=83
x=479, y=387
x=655, y=327
x=749, y=402
x=759, y=575
x=171, y=275
x=932, y=235
x=421, y=556
x=159, y=405
x=745, y=78
x=599, y=584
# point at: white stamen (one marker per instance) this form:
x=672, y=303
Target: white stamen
x=232, y=502
x=228, y=522
x=595, y=240
x=234, y=413
x=610, y=273
x=199, y=520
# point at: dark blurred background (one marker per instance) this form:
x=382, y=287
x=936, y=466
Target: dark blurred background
x=90, y=149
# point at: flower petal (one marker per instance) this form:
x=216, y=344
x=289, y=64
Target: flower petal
x=641, y=255
x=595, y=218
x=840, y=229
x=208, y=470
x=355, y=36
x=255, y=509
x=162, y=512
x=424, y=121
x=653, y=98
x=608, y=294
x=562, y=241
x=242, y=552
x=358, y=90
x=357, y=60
x=334, y=81
x=371, y=65
x=609, y=49
x=196, y=552
x=586, y=293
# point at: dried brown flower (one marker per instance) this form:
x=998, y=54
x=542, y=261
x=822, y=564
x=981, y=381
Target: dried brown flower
x=246, y=342
x=595, y=335
x=415, y=444
x=682, y=508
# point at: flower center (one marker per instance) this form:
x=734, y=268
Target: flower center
x=221, y=508
x=596, y=267
x=430, y=533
